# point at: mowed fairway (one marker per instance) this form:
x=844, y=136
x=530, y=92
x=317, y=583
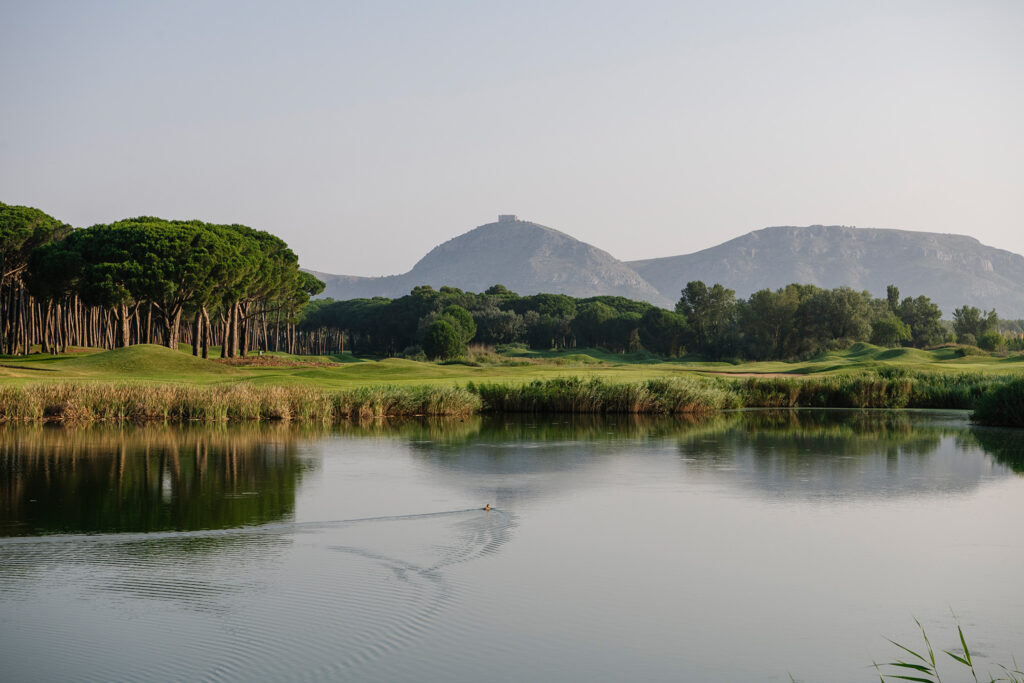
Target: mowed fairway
x=156, y=364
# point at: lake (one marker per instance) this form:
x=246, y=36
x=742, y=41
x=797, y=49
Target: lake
x=745, y=546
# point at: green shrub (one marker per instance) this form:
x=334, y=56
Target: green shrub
x=1002, y=406
x=463, y=322
x=992, y=341
x=442, y=341
x=414, y=353
x=964, y=351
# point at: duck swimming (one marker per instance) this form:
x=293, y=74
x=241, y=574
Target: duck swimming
x=487, y=507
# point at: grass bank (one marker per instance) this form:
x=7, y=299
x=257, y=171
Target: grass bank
x=147, y=383
x=157, y=365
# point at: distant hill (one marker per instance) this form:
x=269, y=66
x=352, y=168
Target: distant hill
x=528, y=258
x=950, y=269
x=525, y=257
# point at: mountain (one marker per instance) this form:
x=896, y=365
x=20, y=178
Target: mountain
x=525, y=257
x=952, y=270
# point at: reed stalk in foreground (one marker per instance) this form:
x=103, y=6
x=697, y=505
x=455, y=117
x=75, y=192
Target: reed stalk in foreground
x=924, y=668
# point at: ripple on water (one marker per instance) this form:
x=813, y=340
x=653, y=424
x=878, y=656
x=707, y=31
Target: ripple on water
x=284, y=602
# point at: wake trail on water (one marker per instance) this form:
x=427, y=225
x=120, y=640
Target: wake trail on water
x=275, y=527
x=342, y=596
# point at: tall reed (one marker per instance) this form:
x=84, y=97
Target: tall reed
x=998, y=402
x=596, y=395
x=883, y=388
x=923, y=664
x=121, y=403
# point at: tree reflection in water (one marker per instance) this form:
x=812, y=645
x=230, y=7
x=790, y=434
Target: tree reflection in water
x=163, y=478
x=94, y=480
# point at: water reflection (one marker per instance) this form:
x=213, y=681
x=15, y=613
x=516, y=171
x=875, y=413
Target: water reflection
x=533, y=429
x=844, y=455
x=56, y=480
x=821, y=454
x=1006, y=446
x=604, y=555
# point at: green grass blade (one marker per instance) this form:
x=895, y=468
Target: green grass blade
x=963, y=643
x=904, y=647
x=916, y=667
x=966, y=660
x=958, y=658
x=931, y=651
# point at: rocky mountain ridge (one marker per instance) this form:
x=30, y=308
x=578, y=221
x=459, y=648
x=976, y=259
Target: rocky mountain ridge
x=950, y=269
x=528, y=258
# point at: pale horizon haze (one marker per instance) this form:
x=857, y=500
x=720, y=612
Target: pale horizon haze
x=364, y=134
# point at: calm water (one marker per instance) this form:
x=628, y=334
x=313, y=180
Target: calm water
x=745, y=547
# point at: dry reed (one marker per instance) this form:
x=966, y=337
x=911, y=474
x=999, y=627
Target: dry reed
x=122, y=403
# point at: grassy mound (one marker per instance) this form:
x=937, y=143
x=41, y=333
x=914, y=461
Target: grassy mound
x=905, y=354
x=147, y=360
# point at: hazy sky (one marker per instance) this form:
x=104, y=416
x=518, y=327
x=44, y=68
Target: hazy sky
x=366, y=133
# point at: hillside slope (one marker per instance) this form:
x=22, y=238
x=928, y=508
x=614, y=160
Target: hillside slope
x=951, y=269
x=525, y=257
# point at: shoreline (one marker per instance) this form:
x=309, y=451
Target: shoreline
x=125, y=403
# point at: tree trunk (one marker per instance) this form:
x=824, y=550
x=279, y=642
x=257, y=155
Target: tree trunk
x=277, y=330
x=233, y=345
x=173, y=320
x=45, y=340
x=243, y=324
x=227, y=351
x=196, y=331
x=123, y=328
x=206, y=332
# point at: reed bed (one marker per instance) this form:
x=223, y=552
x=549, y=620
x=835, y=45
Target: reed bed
x=596, y=395
x=888, y=388
x=124, y=403
x=892, y=388
x=1000, y=400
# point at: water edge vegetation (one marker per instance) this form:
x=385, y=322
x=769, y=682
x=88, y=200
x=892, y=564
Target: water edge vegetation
x=120, y=402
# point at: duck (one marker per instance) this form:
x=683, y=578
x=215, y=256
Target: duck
x=487, y=507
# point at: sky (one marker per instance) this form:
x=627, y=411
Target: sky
x=364, y=134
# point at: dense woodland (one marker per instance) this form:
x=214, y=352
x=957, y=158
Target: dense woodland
x=797, y=321
x=150, y=280
x=146, y=280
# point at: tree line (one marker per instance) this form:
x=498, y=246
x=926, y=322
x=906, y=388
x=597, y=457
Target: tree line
x=152, y=280
x=146, y=280
x=796, y=321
